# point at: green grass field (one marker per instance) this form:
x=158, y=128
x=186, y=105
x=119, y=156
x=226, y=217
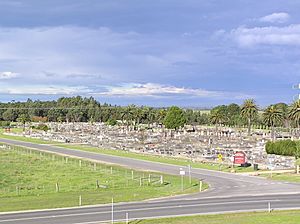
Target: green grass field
x=29, y=181
x=21, y=138
x=277, y=217
x=290, y=177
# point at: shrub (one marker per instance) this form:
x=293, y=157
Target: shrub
x=42, y=127
x=4, y=123
x=111, y=122
x=284, y=148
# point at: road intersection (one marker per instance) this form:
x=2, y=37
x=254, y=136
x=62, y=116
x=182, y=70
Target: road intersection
x=227, y=193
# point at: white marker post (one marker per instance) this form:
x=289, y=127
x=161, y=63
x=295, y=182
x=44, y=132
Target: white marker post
x=269, y=207
x=127, y=219
x=200, y=186
x=182, y=173
x=112, y=210
x=190, y=175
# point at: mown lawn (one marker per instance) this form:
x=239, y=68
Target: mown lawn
x=38, y=181
x=156, y=158
x=290, y=177
x=22, y=138
x=277, y=217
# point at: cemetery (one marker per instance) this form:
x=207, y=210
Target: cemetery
x=196, y=143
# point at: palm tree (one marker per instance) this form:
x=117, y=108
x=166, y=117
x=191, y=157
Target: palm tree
x=249, y=111
x=294, y=113
x=217, y=118
x=272, y=116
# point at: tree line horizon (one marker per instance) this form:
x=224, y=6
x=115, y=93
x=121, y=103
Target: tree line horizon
x=83, y=109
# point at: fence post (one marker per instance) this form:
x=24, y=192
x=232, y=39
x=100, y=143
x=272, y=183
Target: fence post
x=57, y=187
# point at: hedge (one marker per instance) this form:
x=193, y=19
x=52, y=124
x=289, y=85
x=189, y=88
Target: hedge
x=284, y=148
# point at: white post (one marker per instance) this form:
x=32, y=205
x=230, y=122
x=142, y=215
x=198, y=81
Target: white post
x=112, y=210
x=190, y=176
x=80, y=200
x=200, y=186
x=161, y=179
x=132, y=174
x=79, y=163
x=269, y=207
x=127, y=219
x=181, y=182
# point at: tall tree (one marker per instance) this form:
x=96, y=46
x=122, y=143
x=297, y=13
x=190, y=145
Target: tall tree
x=175, y=118
x=294, y=113
x=272, y=116
x=217, y=117
x=249, y=111
x=23, y=118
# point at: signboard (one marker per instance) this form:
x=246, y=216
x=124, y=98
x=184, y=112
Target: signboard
x=239, y=158
x=220, y=157
x=182, y=172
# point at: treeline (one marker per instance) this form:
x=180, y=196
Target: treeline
x=79, y=109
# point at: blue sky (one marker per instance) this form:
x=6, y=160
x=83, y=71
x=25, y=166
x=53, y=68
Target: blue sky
x=159, y=53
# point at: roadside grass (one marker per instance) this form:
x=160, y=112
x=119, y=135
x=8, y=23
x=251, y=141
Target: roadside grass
x=276, y=217
x=290, y=177
x=34, y=180
x=22, y=138
x=157, y=158
x=147, y=157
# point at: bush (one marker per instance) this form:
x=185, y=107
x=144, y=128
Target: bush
x=111, y=122
x=4, y=123
x=284, y=148
x=42, y=127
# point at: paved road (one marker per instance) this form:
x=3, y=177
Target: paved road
x=228, y=192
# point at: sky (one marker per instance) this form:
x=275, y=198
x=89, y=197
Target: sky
x=191, y=53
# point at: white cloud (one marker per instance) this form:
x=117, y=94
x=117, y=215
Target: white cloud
x=158, y=90
x=44, y=90
x=279, y=17
x=8, y=75
x=288, y=35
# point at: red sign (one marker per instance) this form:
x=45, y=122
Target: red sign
x=239, y=158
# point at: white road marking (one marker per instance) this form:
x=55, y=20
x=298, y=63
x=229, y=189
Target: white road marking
x=139, y=209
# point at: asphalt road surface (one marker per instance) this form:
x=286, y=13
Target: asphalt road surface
x=227, y=193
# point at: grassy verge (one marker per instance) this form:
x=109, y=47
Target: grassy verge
x=154, y=158
x=30, y=180
x=290, y=177
x=22, y=138
x=277, y=217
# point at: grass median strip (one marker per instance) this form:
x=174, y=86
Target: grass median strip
x=33, y=180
